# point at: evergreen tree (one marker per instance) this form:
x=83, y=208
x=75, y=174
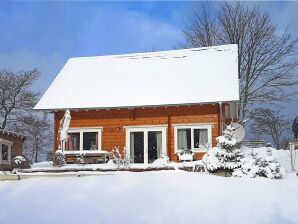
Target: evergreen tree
x=226, y=156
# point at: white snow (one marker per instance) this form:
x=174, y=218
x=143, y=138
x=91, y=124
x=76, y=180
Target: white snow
x=198, y=75
x=149, y=197
x=159, y=163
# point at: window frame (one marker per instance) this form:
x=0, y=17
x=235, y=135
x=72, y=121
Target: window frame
x=9, y=144
x=192, y=127
x=81, y=131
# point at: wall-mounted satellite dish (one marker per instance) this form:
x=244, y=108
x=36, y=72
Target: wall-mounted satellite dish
x=239, y=132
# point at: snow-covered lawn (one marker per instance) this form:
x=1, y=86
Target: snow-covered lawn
x=149, y=197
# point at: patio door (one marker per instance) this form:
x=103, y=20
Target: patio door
x=146, y=144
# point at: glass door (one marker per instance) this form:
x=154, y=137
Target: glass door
x=154, y=145
x=146, y=144
x=137, y=147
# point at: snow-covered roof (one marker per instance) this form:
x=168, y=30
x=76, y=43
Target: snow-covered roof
x=12, y=133
x=188, y=76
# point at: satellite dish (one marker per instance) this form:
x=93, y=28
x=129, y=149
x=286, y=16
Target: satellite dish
x=239, y=132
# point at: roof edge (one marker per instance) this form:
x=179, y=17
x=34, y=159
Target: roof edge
x=133, y=107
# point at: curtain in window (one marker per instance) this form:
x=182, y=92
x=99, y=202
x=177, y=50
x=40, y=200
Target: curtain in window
x=182, y=138
x=159, y=144
x=69, y=143
x=203, y=138
x=132, y=150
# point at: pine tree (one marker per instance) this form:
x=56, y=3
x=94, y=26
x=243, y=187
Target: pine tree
x=226, y=156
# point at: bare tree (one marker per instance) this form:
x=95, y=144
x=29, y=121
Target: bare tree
x=16, y=95
x=38, y=130
x=269, y=122
x=266, y=56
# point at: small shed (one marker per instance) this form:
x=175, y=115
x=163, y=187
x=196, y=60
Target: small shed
x=11, y=144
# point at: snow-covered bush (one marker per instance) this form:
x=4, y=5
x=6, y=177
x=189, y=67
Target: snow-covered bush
x=117, y=158
x=59, y=159
x=18, y=160
x=229, y=158
x=255, y=165
x=226, y=156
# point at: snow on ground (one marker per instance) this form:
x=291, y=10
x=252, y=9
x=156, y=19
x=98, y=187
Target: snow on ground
x=159, y=163
x=149, y=197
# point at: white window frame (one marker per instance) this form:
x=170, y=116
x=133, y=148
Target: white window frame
x=81, y=131
x=192, y=127
x=146, y=129
x=9, y=144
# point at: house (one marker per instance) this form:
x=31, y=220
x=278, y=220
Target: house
x=153, y=103
x=10, y=146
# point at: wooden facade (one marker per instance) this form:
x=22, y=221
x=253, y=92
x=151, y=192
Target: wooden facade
x=114, y=121
x=15, y=143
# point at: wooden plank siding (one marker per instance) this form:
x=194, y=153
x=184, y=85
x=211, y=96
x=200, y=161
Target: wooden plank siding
x=113, y=122
x=16, y=148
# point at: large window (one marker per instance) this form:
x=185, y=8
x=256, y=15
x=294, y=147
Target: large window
x=5, y=151
x=194, y=137
x=83, y=139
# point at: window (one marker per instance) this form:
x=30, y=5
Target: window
x=83, y=139
x=231, y=111
x=194, y=137
x=5, y=151
x=184, y=138
x=73, y=143
x=90, y=141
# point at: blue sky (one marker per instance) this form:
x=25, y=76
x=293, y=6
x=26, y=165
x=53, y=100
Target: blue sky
x=46, y=34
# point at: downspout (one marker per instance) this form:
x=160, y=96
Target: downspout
x=220, y=118
x=169, y=151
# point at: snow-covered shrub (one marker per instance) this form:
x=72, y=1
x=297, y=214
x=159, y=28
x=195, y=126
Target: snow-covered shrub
x=59, y=159
x=226, y=156
x=255, y=165
x=18, y=160
x=117, y=158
